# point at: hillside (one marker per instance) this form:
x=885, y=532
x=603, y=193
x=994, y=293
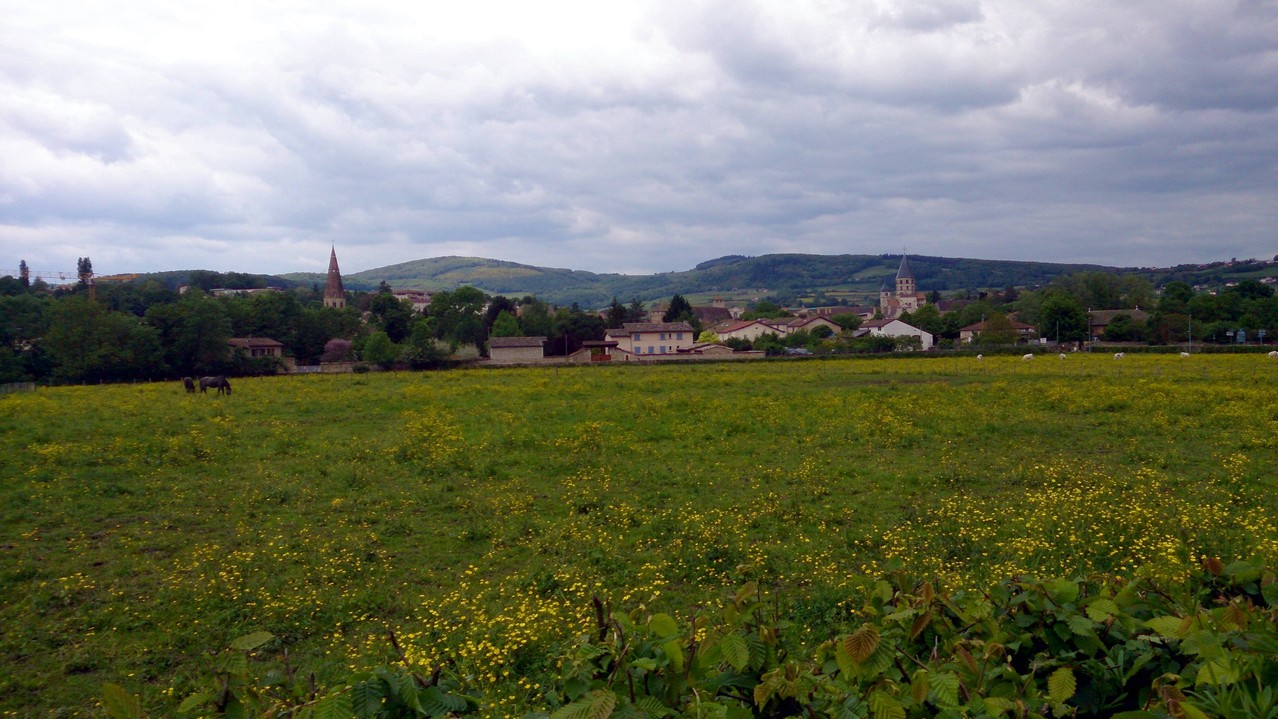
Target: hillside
x=852, y=277
x=729, y=276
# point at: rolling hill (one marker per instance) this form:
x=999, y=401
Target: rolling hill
x=854, y=278
x=732, y=276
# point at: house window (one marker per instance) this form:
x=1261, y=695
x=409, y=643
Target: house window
x=663, y=336
x=637, y=336
x=650, y=349
x=679, y=336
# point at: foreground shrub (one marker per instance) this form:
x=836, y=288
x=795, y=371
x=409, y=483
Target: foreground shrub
x=1020, y=648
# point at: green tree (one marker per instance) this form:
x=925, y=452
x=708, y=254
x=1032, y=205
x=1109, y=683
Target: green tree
x=770, y=345
x=848, y=321
x=1062, y=319
x=680, y=310
x=89, y=343
x=536, y=319
x=23, y=321
x=422, y=350
x=1122, y=328
x=636, y=312
x=316, y=325
x=392, y=315
x=572, y=328
x=617, y=314
x=379, y=349
x=498, y=305
x=998, y=331
x=84, y=268
x=194, y=334
x=1171, y=328
x=1251, y=290
x=765, y=310
x=926, y=318
x=506, y=325
x=1178, y=291
x=458, y=316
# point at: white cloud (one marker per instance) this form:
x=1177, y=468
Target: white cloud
x=650, y=136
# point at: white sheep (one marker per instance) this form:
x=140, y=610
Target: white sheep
x=1027, y=357
x=1184, y=354
x=1062, y=355
x=1119, y=355
x=1274, y=354
x=981, y=357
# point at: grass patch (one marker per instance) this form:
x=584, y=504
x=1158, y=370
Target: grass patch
x=475, y=513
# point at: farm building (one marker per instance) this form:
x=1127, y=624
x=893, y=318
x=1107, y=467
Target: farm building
x=516, y=350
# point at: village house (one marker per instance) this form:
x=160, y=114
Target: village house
x=652, y=338
x=896, y=328
x=419, y=299
x=711, y=314
x=256, y=346
x=717, y=311
x=749, y=330
x=1024, y=332
x=864, y=313
x=811, y=323
x=699, y=351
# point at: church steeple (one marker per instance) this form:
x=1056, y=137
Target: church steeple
x=904, y=278
x=334, y=293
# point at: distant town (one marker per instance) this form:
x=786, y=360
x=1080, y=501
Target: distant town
x=130, y=327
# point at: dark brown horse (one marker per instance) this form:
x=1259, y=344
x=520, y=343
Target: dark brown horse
x=218, y=383
x=189, y=384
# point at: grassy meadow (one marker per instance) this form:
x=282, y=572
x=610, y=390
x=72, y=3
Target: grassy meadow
x=475, y=513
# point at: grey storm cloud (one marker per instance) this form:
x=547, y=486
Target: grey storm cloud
x=252, y=136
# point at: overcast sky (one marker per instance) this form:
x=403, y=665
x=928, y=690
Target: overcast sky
x=634, y=136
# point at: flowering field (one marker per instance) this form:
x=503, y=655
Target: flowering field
x=475, y=514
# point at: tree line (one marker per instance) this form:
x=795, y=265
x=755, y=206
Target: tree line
x=1060, y=311
x=147, y=330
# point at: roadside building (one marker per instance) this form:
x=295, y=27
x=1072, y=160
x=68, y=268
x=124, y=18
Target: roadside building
x=516, y=350
x=652, y=338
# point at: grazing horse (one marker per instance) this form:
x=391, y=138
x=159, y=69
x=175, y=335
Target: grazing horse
x=219, y=383
x=189, y=384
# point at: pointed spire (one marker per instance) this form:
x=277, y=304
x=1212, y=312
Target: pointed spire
x=904, y=273
x=334, y=293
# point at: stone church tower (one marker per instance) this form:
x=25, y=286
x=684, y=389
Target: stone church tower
x=904, y=279
x=334, y=293
x=906, y=298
